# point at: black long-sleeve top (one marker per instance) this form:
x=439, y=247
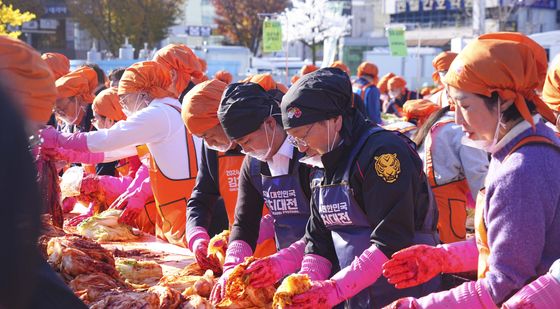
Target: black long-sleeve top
x=395, y=210
x=206, y=192
x=250, y=200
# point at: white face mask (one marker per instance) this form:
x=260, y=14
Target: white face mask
x=394, y=94
x=488, y=146
x=71, y=121
x=219, y=148
x=263, y=154
x=140, y=103
x=315, y=160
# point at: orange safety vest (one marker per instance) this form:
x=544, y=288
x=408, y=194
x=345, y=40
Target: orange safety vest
x=451, y=198
x=229, y=168
x=481, y=232
x=171, y=196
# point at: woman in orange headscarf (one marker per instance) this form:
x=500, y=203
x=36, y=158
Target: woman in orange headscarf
x=153, y=118
x=398, y=95
x=493, y=84
x=441, y=64
x=456, y=172
x=75, y=95
x=58, y=63
x=183, y=65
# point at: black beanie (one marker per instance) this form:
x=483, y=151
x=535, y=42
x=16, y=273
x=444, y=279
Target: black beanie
x=244, y=107
x=317, y=96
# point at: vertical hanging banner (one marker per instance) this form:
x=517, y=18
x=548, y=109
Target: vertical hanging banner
x=397, y=43
x=272, y=36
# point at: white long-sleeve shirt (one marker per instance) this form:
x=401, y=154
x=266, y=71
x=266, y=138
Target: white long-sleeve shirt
x=160, y=127
x=454, y=161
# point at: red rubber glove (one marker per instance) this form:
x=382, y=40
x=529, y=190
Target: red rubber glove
x=420, y=263
x=235, y=254
x=323, y=294
x=205, y=261
x=271, y=269
x=132, y=209
x=265, y=271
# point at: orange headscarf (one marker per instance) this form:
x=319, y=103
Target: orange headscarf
x=26, y=76
x=294, y=79
x=382, y=84
x=106, y=104
x=308, y=68
x=58, y=63
x=264, y=80
x=200, y=106
x=181, y=59
x=79, y=83
x=442, y=62
x=551, y=90
x=396, y=82
x=419, y=110
x=369, y=69
x=224, y=76
x=511, y=64
x=146, y=76
x=339, y=64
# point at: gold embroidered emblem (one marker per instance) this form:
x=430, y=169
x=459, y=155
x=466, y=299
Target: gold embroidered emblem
x=388, y=167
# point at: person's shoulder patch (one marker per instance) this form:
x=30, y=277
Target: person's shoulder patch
x=388, y=167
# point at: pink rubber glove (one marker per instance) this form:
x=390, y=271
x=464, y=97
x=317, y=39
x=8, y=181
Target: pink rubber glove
x=351, y=279
x=316, y=267
x=141, y=175
x=472, y=295
x=322, y=295
x=541, y=293
x=71, y=156
x=134, y=202
x=346, y=283
x=236, y=253
x=420, y=263
x=113, y=187
x=271, y=269
x=198, y=240
x=51, y=138
x=266, y=229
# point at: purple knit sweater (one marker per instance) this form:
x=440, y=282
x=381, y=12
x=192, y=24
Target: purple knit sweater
x=522, y=214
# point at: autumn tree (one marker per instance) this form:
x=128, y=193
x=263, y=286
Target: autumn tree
x=11, y=17
x=110, y=21
x=239, y=22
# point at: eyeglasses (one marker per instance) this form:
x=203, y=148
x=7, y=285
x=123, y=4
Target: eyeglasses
x=299, y=142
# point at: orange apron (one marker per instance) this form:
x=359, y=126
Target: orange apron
x=229, y=168
x=480, y=226
x=171, y=196
x=146, y=220
x=451, y=198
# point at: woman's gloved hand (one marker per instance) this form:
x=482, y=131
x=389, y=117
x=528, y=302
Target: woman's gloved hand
x=322, y=295
x=265, y=272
